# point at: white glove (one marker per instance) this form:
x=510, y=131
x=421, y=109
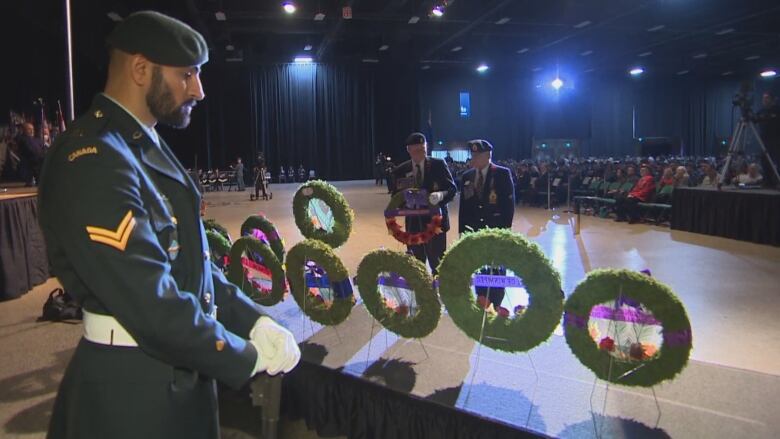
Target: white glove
x=276, y=348
x=435, y=198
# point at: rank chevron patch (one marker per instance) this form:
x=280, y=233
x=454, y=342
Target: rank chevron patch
x=115, y=238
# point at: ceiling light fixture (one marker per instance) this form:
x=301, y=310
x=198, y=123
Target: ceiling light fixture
x=383, y=47
x=582, y=24
x=414, y=19
x=370, y=60
x=114, y=16
x=307, y=47
x=768, y=73
x=656, y=28
x=725, y=31
x=504, y=20
x=319, y=16
x=645, y=54
x=586, y=53
x=303, y=59
x=557, y=83
x=752, y=57
x=456, y=49
x=220, y=16
x=289, y=7
x=523, y=50
x=683, y=72
x=482, y=68
x=229, y=47
x=426, y=67
x=437, y=11
x=636, y=71
x=700, y=56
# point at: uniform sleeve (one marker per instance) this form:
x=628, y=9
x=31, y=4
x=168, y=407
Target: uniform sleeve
x=461, y=210
x=236, y=311
x=507, y=201
x=92, y=210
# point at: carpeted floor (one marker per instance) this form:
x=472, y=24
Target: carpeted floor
x=729, y=288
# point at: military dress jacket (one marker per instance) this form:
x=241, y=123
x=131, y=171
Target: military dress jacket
x=493, y=206
x=121, y=220
x=436, y=177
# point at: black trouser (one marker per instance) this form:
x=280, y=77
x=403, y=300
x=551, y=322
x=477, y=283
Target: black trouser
x=627, y=207
x=430, y=252
x=494, y=295
x=773, y=151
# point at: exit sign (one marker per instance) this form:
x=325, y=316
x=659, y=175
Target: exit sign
x=346, y=12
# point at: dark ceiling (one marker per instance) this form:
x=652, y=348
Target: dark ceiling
x=702, y=37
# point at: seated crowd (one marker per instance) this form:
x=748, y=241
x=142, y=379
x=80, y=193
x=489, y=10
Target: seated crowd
x=623, y=187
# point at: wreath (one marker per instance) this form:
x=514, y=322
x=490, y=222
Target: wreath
x=263, y=224
x=501, y=247
x=212, y=224
x=394, y=316
x=326, y=312
x=271, y=267
x=342, y=214
x=603, y=286
x=219, y=246
x=394, y=207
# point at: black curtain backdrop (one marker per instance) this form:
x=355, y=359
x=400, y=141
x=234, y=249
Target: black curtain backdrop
x=606, y=114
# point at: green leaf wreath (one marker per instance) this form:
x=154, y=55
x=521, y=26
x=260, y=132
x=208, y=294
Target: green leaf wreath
x=603, y=286
x=267, y=227
x=413, y=271
x=342, y=214
x=236, y=273
x=328, y=314
x=525, y=258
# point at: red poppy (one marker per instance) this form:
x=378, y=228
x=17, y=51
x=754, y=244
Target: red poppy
x=607, y=344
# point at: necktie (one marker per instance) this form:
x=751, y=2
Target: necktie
x=478, y=186
x=418, y=178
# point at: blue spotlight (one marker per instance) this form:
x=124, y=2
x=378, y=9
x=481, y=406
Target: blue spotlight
x=303, y=59
x=636, y=71
x=557, y=83
x=483, y=68
x=768, y=74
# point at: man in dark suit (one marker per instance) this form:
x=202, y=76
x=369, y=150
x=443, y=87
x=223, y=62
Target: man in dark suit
x=487, y=199
x=31, y=151
x=431, y=174
x=121, y=220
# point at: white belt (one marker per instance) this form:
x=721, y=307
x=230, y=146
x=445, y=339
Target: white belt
x=102, y=329
x=106, y=330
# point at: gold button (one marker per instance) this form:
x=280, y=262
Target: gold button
x=205, y=256
x=98, y=114
x=220, y=345
x=207, y=297
x=137, y=135
x=174, y=221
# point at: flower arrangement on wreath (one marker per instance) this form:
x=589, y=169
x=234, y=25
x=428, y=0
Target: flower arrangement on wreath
x=412, y=202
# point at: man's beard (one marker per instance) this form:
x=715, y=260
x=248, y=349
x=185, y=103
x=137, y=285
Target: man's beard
x=163, y=106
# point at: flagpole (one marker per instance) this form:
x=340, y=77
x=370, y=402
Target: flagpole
x=68, y=32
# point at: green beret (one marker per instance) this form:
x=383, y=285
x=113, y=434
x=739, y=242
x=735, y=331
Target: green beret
x=161, y=39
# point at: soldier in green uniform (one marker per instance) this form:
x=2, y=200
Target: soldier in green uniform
x=123, y=232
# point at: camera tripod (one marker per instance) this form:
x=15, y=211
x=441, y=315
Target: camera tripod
x=737, y=145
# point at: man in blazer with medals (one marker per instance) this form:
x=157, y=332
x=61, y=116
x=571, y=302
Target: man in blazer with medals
x=434, y=176
x=487, y=199
x=121, y=220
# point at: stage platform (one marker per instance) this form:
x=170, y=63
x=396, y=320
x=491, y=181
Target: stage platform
x=446, y=386
x=23, y=261
x=744, y=214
